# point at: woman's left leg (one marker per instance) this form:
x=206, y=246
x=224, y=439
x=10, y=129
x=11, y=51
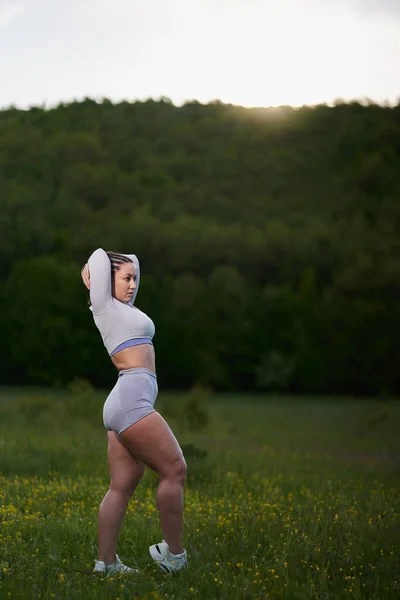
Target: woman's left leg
x=126, y=472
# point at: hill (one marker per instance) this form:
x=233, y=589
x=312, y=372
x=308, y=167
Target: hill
x=268, y=241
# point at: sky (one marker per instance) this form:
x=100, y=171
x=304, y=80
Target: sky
x=246, y=52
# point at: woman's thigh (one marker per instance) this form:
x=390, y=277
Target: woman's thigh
x=126, y=470
x=152, y=441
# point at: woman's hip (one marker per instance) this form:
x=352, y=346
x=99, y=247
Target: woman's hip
x=131, y=399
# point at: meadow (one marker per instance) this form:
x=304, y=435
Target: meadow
x=286, y=498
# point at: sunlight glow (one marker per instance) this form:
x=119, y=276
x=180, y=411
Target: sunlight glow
x=300, y=58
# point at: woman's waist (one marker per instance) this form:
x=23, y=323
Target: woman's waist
x=135, y=357
x=138, y=341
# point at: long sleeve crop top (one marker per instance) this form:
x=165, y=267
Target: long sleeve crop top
x=117, y=321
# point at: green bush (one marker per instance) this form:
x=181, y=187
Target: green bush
x=190, y=411
x=82, y=400
x=193, y=453
x=33, y=407
x=195, y=414
x=275, y=371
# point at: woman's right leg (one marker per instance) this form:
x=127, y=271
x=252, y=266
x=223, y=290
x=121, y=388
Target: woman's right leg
x=126, y=472
x=152, y=442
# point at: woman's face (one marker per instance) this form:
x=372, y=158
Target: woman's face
x=124, y=282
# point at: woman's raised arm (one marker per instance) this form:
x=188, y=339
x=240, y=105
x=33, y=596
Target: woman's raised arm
x=100, y=280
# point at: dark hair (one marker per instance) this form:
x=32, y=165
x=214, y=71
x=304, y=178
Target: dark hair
x=116, y=260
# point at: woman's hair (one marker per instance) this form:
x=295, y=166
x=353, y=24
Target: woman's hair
x=116, y=260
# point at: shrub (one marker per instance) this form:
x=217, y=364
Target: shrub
x=33, y=407
x=191, y=411
x=194, y=410
x=275, y=371
x=82, y=400
x=192, y=452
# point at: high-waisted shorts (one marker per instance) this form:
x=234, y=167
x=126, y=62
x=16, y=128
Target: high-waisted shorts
x=131, y=399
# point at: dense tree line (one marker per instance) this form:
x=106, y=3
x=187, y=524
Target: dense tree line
x=268, y=239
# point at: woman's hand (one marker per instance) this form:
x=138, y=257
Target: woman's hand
x=86, y=276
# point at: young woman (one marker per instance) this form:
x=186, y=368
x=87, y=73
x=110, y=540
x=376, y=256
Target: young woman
x=137, y=434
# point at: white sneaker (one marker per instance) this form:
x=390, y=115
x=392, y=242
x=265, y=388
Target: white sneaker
x=167, y=561
x=113, y=569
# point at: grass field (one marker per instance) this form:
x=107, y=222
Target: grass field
x=285, y=499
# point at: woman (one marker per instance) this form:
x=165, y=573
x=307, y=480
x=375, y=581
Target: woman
x=137, y=434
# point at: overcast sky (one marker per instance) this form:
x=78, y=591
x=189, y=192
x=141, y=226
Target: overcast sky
x=250, y=52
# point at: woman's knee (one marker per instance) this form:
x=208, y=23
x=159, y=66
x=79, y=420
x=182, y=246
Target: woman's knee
x=176, y=470
x=122, y=490
x=182, y=469
x=125, y=486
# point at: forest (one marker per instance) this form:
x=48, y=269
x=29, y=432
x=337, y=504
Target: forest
x=268, y=240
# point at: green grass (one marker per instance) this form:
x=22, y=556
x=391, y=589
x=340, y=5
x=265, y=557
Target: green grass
x=297, y=498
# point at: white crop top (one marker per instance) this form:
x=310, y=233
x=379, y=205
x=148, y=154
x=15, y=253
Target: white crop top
x=117, y=321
